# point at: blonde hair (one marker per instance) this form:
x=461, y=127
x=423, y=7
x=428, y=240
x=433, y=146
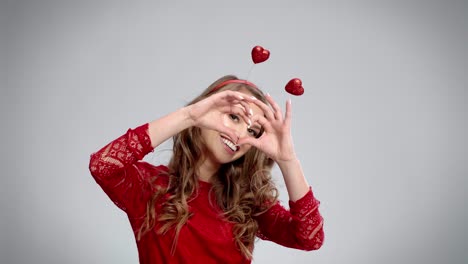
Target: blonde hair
x=243, y=188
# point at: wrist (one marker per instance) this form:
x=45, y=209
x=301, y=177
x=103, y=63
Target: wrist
x=293, y=161
x=188, y=117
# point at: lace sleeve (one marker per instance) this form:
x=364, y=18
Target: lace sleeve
x=301, y=227
x=120, y=173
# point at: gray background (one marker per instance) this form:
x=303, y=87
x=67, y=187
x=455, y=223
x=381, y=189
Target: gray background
x=381, y=129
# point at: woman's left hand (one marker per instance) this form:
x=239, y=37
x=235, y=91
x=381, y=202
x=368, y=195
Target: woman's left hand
x=276, y=141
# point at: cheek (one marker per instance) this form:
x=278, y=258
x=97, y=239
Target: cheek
x=227, y=121
x=207, y=135
x=244, y=148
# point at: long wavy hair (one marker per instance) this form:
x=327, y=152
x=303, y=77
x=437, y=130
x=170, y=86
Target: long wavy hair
x=243, y=188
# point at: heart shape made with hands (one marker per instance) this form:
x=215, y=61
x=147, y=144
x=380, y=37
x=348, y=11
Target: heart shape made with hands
x=294, y=87
x=259, y=54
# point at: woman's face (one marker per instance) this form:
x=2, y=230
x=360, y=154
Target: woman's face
x=221, y=148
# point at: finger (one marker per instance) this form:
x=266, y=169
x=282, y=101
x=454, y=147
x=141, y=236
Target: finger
x=237, y=98
x=234, y=97
x=249, y=98
x=262, y=121
x=230, y=95
x=238, y=106
x=265, y=108
x=226, y=98
x=237, y=109
x=276, y=109
x=288, y=115
x=247, y=108
x=240, y=111
x=249, y=141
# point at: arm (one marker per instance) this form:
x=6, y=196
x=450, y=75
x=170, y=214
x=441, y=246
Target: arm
x=300, y=228
x=206, y=113
x=294, y=178
x=116, y=167
x=277, y=143
x=162, y=129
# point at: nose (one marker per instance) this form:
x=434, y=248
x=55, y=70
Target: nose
x=241, y=130
x=239, y=127
x=237, y=134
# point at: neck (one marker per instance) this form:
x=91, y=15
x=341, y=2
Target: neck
x=206, y=170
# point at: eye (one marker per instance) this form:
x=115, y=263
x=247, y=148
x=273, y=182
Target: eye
x=234, y=117
x=253, y=132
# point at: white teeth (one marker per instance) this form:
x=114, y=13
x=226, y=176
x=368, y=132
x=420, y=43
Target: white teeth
x=230, y=144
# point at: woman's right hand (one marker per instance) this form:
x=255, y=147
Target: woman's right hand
x=209, y=113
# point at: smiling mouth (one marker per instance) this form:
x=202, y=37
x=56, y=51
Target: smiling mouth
x=230, y=144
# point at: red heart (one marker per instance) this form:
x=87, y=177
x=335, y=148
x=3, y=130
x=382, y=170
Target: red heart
x=294, y=87
x=259, y=54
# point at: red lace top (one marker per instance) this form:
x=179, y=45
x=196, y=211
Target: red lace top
x=206, y=237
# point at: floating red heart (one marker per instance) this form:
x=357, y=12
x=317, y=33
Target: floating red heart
x=294, y=87
x=259, y=54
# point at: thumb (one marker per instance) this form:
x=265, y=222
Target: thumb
x=248, y=140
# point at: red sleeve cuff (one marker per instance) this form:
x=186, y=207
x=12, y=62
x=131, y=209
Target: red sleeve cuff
x=139, y=141
x=304, y=204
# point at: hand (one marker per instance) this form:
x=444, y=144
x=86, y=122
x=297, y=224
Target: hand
x=208, y=113
x=276, y=141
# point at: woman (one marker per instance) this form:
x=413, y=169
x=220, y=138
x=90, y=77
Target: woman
x=216, y=194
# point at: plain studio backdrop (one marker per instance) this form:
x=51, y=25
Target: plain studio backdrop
x=380, y=130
